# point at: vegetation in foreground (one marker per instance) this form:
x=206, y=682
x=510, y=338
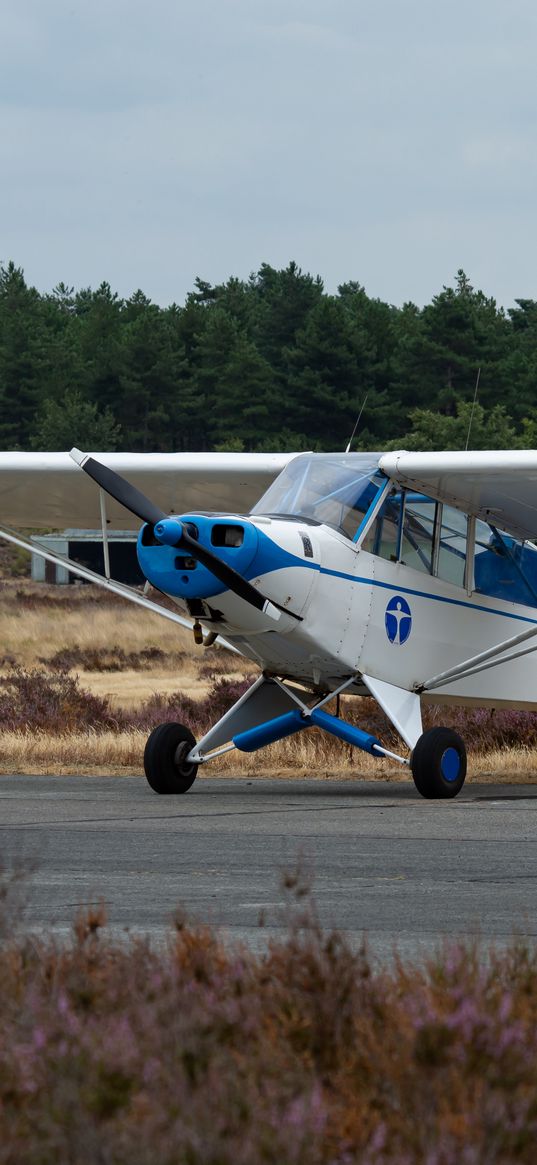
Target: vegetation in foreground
x=205, y=1053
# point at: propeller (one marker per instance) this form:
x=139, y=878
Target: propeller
x=119, y=488
x=173, y=532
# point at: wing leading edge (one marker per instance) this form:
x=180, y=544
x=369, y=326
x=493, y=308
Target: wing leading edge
x=47, y=490
x=499, y=487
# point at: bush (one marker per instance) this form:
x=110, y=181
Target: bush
x=199, y=715
x=54, y=702
x=486, y=728
x=113, y=658
x=206, y=1053
x=51, y=702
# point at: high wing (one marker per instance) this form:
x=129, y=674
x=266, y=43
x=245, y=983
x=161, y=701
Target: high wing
x=47, y=490
x=498, y=487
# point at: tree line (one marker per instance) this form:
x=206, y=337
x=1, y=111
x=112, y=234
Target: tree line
x=268, y=363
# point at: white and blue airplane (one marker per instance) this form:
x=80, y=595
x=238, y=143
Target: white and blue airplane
x=408, y=577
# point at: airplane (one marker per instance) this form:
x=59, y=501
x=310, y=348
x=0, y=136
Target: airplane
x=408, y=577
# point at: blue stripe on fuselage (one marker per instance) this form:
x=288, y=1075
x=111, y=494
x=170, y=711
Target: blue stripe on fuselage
x=272, y=557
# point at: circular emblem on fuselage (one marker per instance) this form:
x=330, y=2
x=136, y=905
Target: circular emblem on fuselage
x=398, y=620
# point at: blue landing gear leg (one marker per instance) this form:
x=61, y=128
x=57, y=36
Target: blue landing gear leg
x=438, y=763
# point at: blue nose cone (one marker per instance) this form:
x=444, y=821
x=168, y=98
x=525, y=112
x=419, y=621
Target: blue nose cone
x=176, y=571
x=169, y=531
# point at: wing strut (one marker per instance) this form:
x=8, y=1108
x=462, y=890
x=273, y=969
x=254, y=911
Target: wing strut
x=104, y=528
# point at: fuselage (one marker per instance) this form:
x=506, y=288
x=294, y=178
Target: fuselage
x=361, y=577
x=345, y=610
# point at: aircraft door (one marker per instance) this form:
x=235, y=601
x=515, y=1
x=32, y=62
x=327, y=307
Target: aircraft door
x=341, y=603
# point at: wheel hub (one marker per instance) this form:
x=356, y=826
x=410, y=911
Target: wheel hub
x=180, y=760
x=450, y=764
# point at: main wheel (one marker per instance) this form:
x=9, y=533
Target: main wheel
x=438, y=763
x=165, y=762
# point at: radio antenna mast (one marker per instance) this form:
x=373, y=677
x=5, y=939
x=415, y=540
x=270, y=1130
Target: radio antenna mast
x=348, y=449
x=473, y=409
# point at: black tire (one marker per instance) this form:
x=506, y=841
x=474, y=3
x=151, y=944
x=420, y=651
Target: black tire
x=438, y=763
x=164, y=764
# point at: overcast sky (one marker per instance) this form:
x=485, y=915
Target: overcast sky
x=388, y=141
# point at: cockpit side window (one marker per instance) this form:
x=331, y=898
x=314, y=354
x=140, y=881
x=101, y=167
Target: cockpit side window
x=422, y=534
x=438, y=539
x=382, y=538
x=404, y=531
x=419, y=516
x=504, y=567
x=450, y=561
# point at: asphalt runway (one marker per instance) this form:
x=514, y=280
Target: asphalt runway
x=405, y=871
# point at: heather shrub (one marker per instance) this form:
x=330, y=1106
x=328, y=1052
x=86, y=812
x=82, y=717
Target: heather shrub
x=306, y=1053
x=113, y=658
x=486, y=728
x=53, y=702
x=222, y=695
x=68, y=598
x=177, y=706
x=198, y=714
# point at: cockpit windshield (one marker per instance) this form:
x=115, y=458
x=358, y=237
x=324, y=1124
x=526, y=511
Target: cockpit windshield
x=333, y=488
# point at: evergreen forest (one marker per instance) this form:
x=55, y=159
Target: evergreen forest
x=270, y=363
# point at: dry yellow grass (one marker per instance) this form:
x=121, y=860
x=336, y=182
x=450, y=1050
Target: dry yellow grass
x=128, y=689
x=121, y=754
x=110, y=753
x=27, y=635
x=103, y=753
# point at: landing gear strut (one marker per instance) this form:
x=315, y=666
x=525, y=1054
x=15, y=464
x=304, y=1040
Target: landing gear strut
x=165, y=763
x=270, y=711
x=438, y=763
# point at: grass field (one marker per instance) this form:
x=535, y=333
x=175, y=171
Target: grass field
x=139, y=669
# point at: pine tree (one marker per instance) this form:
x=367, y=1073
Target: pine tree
x=22, y=356
x=74, y=421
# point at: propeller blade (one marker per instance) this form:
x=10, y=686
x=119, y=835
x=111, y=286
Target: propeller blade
x=119, y=488
x=174, y=533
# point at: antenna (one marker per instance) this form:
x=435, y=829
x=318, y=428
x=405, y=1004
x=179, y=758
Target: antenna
x=348, y=449
x=473, y=408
